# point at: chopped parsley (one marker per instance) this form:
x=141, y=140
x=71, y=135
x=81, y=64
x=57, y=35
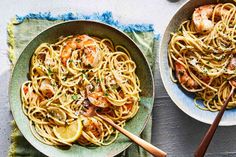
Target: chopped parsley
x=82, y=121
x=205, y=70
x=54, y=84
x=84, y=76
x=114, y=87
x=50, y=72
x=75, y=97
x=216, y=59
x=105, y=94
x=96, y=80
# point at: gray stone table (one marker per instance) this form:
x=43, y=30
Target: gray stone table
x=173, y=131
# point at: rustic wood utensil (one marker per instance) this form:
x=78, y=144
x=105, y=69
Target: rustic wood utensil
x=144, y=144
x=201, y=150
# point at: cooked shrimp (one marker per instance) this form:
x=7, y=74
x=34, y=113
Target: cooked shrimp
x=47, y=89
x=206, y=79
x=49, y=62
x=90, y=54
x=25, y=89
x=97, y=98
x=129, y=106
x=67, y=51
x=92, y=125
x=45, y=58
x=202, y=17
x=183, y=76
x=232, y=64
x=89, y=108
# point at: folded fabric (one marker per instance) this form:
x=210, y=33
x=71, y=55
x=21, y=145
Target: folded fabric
x=22, y=29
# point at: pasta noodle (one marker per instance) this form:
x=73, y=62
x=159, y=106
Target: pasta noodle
x=70, y=78
x=202, y=53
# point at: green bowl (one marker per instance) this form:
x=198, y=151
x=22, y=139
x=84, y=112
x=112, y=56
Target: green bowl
x=50, y=35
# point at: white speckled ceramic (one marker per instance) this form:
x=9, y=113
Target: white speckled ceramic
x=181, y=98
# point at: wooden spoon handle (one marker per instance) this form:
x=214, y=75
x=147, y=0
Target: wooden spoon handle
x=145, y=145
x=201, y=150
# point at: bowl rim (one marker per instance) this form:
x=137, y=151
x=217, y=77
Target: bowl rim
x=87, y=21
x=173, y=98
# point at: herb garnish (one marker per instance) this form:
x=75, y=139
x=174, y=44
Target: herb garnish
x=105, y=94
x=71, y=61
x=74, y=97
x=50, y=72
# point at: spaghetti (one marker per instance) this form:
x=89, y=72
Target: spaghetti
x=202, y=53
x=73, y=76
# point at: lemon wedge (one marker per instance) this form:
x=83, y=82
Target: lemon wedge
x=69, y=133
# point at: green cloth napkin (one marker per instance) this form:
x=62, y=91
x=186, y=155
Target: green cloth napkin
x=19, y=34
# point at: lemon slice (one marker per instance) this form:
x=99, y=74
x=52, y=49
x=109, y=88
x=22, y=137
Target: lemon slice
x=69, y=133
